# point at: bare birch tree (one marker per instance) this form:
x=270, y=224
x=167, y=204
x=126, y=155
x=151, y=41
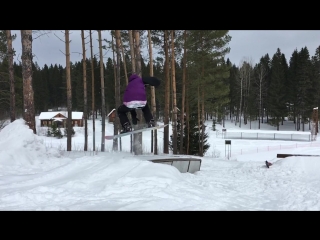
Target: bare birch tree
x=11, y=76
x=28, y=94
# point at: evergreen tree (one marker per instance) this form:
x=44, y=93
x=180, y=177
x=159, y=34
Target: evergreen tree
x=261, y=74
x=315, y=76
x=266, y=61
x=4, y=89
x=253, y=105
x=276, y=93
x=286, y=90
x=18, y=89
x=3, y=45
x=293, y=85
x=40, y=90
x=193, y=136
x=233, y=93
x=28, y=93
x=110, y=86
x=77, y=86
x=304, y=85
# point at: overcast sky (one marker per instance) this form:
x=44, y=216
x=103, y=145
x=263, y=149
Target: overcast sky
x=248, y=45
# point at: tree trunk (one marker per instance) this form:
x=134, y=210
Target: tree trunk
x=85, y=107
x=201, y=111
x=28, y=94
x=93, y=110
x=126, y=78
x=174, y=97
x=166, y=95
x=202, y=120
x=154, y=138
x=182, y=112
x=187, y=115
x=11, y=77
x=115, y=123
x=138, y=136
x=240, y=107
x=124, y=61
x=103, y=104
x=133, y=70
x=69, y=91
x=199, y=117
x=118, y=45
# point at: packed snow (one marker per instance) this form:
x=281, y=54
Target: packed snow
x=37, y=173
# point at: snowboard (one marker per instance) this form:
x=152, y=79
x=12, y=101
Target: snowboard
x=110, y=137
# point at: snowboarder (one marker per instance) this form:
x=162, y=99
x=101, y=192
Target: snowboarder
x=135, y=97
x=268, y=164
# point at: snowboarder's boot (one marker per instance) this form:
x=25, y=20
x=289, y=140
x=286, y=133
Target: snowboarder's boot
x=151, y=123
x=126, y=128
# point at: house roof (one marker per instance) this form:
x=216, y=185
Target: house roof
x=111, y=112
x=51, y=115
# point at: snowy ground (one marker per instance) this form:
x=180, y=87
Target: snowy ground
x=36, y=173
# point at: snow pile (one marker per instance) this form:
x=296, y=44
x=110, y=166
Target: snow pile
x=19, y=146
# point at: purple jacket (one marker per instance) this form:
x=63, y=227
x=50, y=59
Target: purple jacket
x=135, y=93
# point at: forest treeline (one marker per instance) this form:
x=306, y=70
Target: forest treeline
x=197, y=82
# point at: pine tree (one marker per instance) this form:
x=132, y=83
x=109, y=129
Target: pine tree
x=207, y=49
x=305, y=85
x=191, y=137
x=10, y=55
x=233, y=93
x=276, y=100
x=3, y=45
x=28, y=94
x=315, y=92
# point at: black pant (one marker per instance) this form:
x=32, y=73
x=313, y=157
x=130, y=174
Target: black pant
x=123, y=110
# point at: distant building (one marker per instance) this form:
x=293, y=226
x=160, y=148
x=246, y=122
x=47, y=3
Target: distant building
x=60, y=118
x=112, y=115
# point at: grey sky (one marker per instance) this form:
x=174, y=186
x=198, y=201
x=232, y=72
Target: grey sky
x=245, y=45
x=50, y=48
x=254, y=44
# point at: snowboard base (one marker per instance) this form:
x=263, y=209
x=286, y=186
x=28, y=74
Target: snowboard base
x=110, y=137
